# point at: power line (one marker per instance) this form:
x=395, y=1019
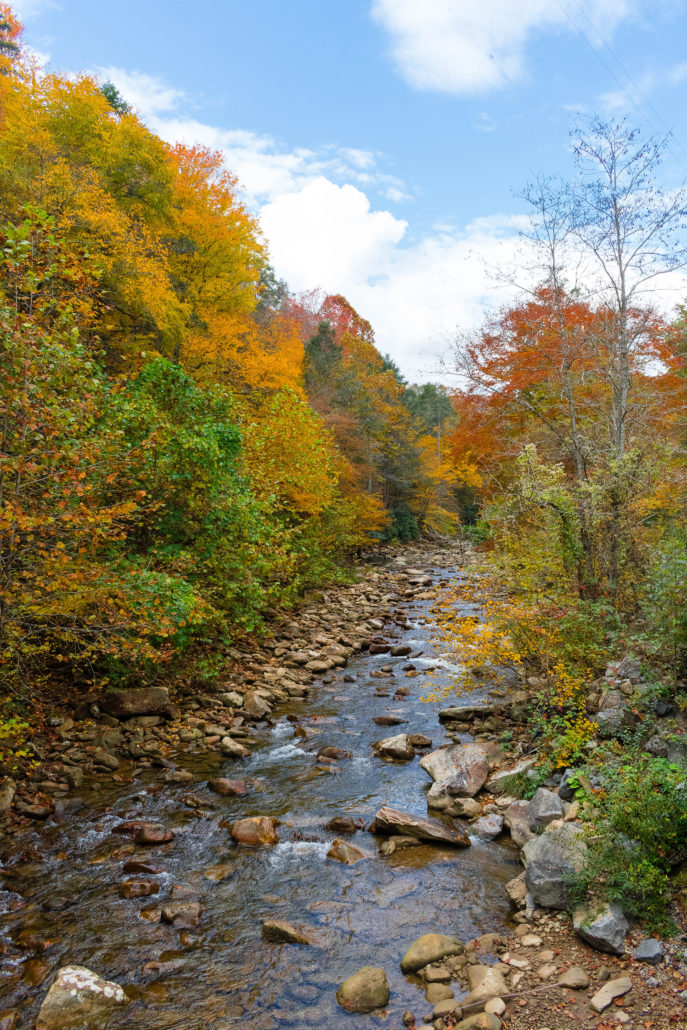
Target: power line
x=666, y=128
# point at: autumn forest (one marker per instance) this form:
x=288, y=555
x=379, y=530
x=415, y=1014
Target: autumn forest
x=189, y=450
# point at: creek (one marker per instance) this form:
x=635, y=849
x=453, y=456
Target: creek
x=222, y=973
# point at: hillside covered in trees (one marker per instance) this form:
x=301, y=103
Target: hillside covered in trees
x=185, y=445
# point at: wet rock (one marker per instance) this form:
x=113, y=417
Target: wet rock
x=420, y=740
x=365, y=991
x=182, y=914
x=256, y=830
x=398, y=747
x=105, y=760
x=400, y=651
x=73, y=774
x=8, y=788
x=488, y=826
x=334, y=754
x=341, y=851
x=221, y=871
x=388, y=720
x=544, y=807
x=77, y=996
x=460, y=769
x=179, y=776
x=428, y=949
x=231, y=748
x=447, y=1007
x=151, y=833
x=575, y=979
x=609, y=992
x=226, y=787
x=551, y=860
x=461, y=808
x=342, y=824
x=465, y=713
x=438, y=992
x=604, y=927
x=137, y=865
x=135, y=701
x=138, y=888
x=279, y=931
x=159, y=969
x=380, y=648
x=650, y=951
x=9, y=1019
x=392, y=821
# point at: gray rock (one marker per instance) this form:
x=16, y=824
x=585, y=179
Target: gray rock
x=544, y=807
x=78, y=995
x=499, y=782
x=604, y=927
x=565, y=791
x=399, y=747
x=609, y=992
x=551, y=860
x=255, y=705
x=611, y=722
x=464, y=713
x=392, y=821
x=575, y=979
x=649, y=950
x=460, y=769
x=365, y=991
x=488, y=826
x=516, y=889
x=517, y=819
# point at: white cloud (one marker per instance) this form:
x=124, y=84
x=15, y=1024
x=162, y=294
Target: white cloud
x=25, y=10
x=147, y=94
x=465, y=46
x=327, y=235
x=633, y=96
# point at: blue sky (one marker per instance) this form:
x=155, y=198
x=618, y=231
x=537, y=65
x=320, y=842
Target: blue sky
x=381, y=141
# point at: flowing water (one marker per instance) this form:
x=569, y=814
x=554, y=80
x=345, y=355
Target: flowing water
x=227, y=976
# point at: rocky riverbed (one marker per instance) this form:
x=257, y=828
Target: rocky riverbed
x=268, y=854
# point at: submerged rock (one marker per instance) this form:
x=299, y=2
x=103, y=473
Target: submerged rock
x=256, y=830
x=77, y=996
x=341, y=851
x=280, y=931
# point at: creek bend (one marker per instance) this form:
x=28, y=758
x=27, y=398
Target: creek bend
x=221, y=973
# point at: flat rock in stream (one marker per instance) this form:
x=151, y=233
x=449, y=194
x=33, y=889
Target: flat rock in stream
x=76, y=997
x=464, y=713
x=280, y=931
x=393, y=821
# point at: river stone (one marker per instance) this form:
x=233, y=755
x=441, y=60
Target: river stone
x=491, y=985
x=333, y=753
x=392, y=821
x=461, y=768
x=447, y=1007
x=480, y=1021
x=604, y=927
x=438, y=992
x=575, y=979
x=255, y=705
x=551, y=860
x=8, y=788
x=182, y=914
x=280, y=931
x=227, y=787
x=462, y=808
x=135, y=701
x=255, y=830
x=9, y=1019
x=544, y=807
x=76, y=996
x=463, y=713
x=516, y=889
x=152, y=833
x=138, y=888
x=396, y=747
x=430, y=948
x=231, y=748
x=341, y=851
x=489, y=826
x=609, y=992
x=342, y=824
x=365, y=991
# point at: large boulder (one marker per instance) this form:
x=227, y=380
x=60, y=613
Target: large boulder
x=429, y=948
x=551, y=861
x=76, y=997
x=517, y=819
x=124, y=704
x=461, y=769
x=604, y=927
x=544, y=808
x=365, y=991
x=392, y=821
